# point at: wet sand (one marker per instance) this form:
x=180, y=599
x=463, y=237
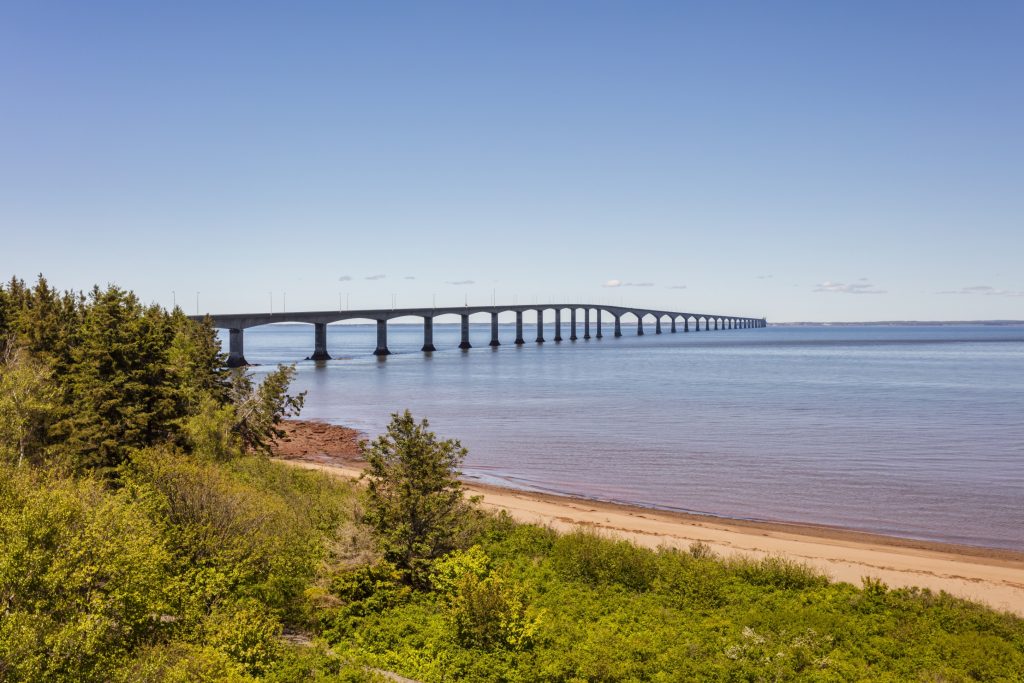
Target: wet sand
x=992, y=576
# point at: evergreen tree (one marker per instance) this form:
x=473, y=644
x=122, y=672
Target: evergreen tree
x=120, y=391
x=259, y=408
x=414, y=497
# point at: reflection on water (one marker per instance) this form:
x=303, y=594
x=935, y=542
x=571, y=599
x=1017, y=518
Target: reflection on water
x=914, y=431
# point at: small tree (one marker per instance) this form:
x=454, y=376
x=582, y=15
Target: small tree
x=28, y=401
x=414, y=498
x=259, y=408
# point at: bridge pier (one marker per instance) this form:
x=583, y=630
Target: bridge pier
x=494, y=330
x=519, y=328
x=572, y=324
x=618, y=326
x=673, y=324
x=540, y=326
x=657, y=325
x=686, y=324
x=464, y=344
x=558, y=324
x=382, y=339
x=707, y=324
x=586, y=323
x=236, y=357
x=320, y=342
x=599, y=335
x=639, y=326
x=428, y=334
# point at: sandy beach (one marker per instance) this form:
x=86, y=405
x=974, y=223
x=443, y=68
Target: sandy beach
x=991, y=576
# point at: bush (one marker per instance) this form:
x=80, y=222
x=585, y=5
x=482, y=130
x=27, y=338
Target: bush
x=588, y=557
x=82, y=577
x=178, y=662
x=692, y=584
x=490, y=613
x=777, y=572
x=247, y=633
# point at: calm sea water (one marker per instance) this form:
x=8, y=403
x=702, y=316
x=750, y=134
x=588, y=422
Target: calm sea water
x=909, y=431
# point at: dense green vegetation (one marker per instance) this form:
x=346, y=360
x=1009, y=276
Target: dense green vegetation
x=145, y=536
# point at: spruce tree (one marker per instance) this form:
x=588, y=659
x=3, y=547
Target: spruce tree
x=414, y=498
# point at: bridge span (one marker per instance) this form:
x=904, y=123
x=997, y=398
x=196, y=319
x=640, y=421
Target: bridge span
x=236, y=323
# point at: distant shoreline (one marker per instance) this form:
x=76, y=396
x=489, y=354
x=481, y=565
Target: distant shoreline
x=833, y=323
x=901, y=323
x=990, y=575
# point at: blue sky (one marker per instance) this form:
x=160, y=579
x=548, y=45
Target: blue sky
x=797, y=160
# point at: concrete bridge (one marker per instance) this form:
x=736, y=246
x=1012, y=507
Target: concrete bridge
x=236, y=323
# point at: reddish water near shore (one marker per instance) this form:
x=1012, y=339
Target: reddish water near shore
x=908, y=431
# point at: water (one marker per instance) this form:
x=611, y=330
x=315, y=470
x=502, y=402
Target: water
x=908, y=431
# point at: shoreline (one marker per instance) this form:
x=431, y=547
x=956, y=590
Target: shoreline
x=993, y=576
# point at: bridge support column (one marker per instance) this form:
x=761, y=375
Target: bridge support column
x=494, y=330
x=464, y=344
x=716, y=323
x=639, y=326
x=540, y=326
x=382, y=339
x=428, y=334
x=586, y=323
x=572, y=324
x=618, y=326
x=657, y=325
x=236, y=357
x=320, y=342
x=599, y=335
x=519, y=328
x=707, y=324
x=686, y=324
x=673, y=324
x=558, y=324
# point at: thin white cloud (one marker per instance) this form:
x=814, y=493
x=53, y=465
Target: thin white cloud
x=620, y=283
x=861, y=287
x=344, y=278
x=678, y=287
x=375, y=277
x=409, y=277
x=460, y=282
x=765, y=277
x=986, y=290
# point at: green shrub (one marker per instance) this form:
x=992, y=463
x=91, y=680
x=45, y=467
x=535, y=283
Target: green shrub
x=491, y=613
x=82, y=577
x=178, y=662
x=230, y=534
x=698, y=584
x=247, y=633
x=588, y=557
x=777, y=572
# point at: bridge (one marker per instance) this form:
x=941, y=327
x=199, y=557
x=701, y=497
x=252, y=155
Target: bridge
x=236, y=323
